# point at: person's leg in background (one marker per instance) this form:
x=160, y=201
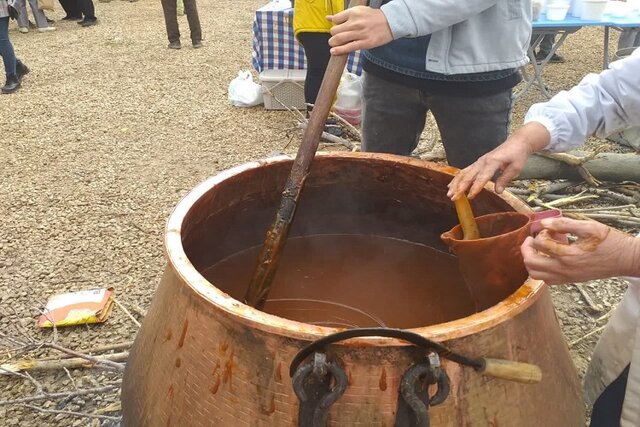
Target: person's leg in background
x=41, y=19
x=607, y=409
x=316, y=50
x=8, y=58
x=393, y=116
x=23, y=17
x=88, y=10
x=471, y=127
x=191, y=9
x=545, y=48
x=170, y=9
x=72, y=9
x=629, y=37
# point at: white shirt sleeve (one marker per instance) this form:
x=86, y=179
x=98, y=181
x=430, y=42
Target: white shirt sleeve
x=600, y=105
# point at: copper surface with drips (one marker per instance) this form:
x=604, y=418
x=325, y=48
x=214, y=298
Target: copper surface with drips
x=233, y=357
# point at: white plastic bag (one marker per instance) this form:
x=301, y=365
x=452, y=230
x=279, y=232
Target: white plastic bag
x=349, y=92
x=243, y=91
x=349, y=98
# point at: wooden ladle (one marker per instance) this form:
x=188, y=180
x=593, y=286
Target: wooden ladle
x=467, y=219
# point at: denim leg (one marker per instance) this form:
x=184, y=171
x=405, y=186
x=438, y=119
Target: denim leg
x=6, y=48
x=471, y=127
x=393, y=116
x=23, y=17
x=38, y=14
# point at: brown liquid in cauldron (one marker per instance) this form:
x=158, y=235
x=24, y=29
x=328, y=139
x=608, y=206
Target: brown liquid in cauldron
x=354, y=281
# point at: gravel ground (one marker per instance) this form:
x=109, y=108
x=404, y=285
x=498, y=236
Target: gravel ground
x=110, y=130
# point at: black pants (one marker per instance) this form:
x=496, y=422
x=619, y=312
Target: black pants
x=71, y=8
x=170, y=9
x=316, y=49
x=87, y=9
x=608, y=407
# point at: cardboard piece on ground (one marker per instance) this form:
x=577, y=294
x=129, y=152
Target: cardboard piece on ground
x=77, y=308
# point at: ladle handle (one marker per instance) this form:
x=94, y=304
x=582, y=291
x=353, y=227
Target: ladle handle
x=512, y=371
x=467, y=220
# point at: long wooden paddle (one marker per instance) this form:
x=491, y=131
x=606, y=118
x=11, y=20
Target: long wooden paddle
x=276, y=237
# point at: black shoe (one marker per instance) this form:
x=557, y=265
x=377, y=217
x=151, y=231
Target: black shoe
x=12, y=84
x=50, y=21
x=72, y=18
x=175, y=45
x=21, y=70
x=555, y=58
x=197, y=44
x=88, y=22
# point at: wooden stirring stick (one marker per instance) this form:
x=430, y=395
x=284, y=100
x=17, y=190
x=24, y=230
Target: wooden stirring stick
x=276, y=237
x=467, y=220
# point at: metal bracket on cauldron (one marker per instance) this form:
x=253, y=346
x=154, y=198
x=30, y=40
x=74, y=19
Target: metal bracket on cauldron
x=413, y=399
x=314, y=409
x=312, y=383
x=497, y=368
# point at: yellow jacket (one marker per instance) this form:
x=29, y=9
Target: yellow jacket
x=310, y=16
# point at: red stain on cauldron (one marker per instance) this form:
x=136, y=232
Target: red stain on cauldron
x=383, y=380
x=183, y=335
x=271, y=408
x=279, y=372
x=216, y=385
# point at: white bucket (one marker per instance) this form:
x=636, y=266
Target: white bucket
x=557, y=11
x=592, y=10
x=576, y=8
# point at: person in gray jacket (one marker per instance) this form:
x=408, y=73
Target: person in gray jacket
x=459, y=60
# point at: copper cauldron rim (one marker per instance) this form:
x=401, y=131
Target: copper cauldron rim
x=521, y=299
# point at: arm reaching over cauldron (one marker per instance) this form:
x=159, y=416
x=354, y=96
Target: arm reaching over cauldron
x=599, y=105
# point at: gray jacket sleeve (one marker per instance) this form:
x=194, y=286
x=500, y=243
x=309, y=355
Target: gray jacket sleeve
x=415, y=18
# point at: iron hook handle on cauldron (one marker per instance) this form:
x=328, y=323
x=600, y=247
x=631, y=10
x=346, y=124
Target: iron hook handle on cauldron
x=497, y=368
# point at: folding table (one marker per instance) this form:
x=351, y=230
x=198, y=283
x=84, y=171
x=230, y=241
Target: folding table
x=563, y=28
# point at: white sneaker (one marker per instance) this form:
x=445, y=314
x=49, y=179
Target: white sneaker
x=45, y=29
x=23, y=29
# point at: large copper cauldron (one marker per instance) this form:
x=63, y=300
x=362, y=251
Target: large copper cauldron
x=203, y=358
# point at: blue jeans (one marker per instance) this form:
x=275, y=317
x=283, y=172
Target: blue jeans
x=6, y=48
